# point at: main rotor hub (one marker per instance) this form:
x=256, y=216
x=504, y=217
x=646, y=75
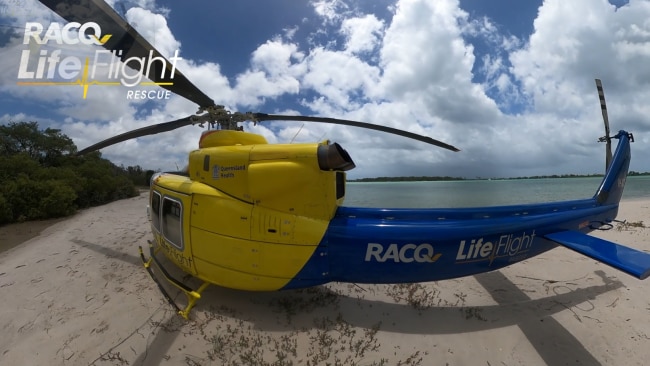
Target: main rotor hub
x=226, y=120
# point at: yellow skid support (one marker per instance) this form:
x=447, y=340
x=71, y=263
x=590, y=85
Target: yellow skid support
x=192, y=295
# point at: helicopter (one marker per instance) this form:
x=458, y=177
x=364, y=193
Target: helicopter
x=255, y=216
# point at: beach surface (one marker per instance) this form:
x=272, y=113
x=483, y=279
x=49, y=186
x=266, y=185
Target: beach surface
x=77, y=294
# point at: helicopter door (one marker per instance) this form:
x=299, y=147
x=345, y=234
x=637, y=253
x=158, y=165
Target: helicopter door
x=172, y=222
x=154, y=211
x=168, y=221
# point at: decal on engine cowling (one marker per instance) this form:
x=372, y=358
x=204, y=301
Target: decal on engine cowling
x=226, y=171
x=511, y=246
x=407, y=253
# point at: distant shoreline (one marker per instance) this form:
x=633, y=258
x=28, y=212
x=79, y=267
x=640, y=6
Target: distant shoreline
x=451, y=179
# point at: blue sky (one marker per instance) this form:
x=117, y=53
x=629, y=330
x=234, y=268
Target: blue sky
x=511, y=83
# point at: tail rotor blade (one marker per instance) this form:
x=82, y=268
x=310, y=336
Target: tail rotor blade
x=607, y=139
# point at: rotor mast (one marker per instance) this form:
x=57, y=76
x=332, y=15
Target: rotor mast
x=224, y=119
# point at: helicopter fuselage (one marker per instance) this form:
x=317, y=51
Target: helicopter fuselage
x=268, y=217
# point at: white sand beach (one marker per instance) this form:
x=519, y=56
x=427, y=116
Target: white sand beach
x=77, y=294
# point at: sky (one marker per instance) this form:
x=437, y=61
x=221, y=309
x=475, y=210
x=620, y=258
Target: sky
x=510, y=83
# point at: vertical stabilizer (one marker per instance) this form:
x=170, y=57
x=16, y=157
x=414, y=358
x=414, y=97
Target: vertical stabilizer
x=611, y=189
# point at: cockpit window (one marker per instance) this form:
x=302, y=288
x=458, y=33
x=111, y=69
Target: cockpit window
x=172, y=228
x=155, y=210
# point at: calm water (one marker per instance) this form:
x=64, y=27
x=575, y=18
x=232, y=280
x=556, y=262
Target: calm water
x=472, y=193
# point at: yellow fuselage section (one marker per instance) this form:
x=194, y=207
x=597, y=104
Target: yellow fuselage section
x=245, y=216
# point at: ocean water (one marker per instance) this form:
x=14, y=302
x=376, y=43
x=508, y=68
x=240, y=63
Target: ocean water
x=474, y=193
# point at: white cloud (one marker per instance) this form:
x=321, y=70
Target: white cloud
x=362, y=33
x=330, y=10
x=575, y=42
x=153, y=27
x=275, y=70
x=427, y=62
x=338, y=77
x=290, y=32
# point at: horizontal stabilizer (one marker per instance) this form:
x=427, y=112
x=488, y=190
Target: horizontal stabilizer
x=628, y=260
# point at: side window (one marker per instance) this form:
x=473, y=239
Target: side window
x=155, y=210
x=172, y=228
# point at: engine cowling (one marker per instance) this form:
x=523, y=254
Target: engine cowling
x=299, y=179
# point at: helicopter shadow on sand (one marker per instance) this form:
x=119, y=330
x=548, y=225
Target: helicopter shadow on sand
x=299, y=310
x=109, y=252
x=296, y=309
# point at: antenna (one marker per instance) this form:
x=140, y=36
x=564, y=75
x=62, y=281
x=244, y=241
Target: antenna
x=294, y=136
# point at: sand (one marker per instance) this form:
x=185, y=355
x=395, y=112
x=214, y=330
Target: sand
x=77, y=294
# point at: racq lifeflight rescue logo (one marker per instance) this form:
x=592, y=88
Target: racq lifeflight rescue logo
x=40, y=67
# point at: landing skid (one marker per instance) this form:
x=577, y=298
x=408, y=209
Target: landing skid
x=192, y=295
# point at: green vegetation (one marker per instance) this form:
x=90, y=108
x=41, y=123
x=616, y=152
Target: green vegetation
x=40, y=177
x=632, y=173
x=560, y=176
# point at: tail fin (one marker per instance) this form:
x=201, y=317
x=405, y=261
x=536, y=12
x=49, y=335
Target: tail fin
x=611, y=188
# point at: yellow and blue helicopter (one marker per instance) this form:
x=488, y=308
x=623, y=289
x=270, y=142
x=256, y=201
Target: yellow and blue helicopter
x=263, y=217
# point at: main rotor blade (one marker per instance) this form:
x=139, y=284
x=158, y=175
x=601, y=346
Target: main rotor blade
x=126, y=39
x=426, y=139
x=238, y=117
x=603, y=109
x=144, y=131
